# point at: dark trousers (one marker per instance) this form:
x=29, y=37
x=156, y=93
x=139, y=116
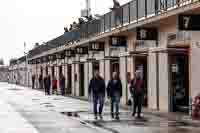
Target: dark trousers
x=62, y=90
x=115, y=105
x=33, y=84
x=48, y=91
x=41, y=84
x=98, y=99
x=137, y=104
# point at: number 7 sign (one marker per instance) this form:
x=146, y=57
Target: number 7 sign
x=189, y=22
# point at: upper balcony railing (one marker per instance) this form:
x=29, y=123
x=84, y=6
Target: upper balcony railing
x=131, y=12
x=179, y=36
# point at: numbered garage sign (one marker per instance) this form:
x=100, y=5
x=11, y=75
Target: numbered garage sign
x=189, y=22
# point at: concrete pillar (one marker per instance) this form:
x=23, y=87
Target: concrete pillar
x=163, y=82
x=66, y=74
x=90, y=70
x=107, y=71
x=152, y=81
x=86, y=79
x=123, y=77
x=101, y=68
x=73, y=79
x=130, y=69
x=194, y=64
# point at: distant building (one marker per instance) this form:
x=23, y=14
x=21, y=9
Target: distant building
x=4, y=73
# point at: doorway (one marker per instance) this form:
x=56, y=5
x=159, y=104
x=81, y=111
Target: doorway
x=46, y=70
x=141, y=65
x=114, y=66
x=81, y=80
x=95, y=66
x=69, y=79
x=41, y=71
x=179, y=83
x=60, y=70
x=52, y=71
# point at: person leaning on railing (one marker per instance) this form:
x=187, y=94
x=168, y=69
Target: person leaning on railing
x=117, y=11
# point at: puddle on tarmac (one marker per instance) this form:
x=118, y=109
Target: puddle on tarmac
x=14, y=89
x=45, y=103
x=49, y=106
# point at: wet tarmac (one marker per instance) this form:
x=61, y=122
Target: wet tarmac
x=57, y=114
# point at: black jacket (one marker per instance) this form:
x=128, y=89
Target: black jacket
x=113, y=88
x=97, y=86
x=47, y=82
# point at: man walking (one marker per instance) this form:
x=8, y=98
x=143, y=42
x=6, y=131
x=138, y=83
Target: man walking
x=137, y=91
x=47, y=83
x=33, y=81
x=97, y=90
x=114, y=91
x=62, y=84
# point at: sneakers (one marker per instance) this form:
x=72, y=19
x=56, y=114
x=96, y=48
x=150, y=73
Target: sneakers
x=139, y=117
x=101, y=117
x=95, y=117
x=133, y=114
x=112, y=115
x=117, y=117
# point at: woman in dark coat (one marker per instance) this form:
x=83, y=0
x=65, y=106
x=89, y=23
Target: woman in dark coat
x=137, y=91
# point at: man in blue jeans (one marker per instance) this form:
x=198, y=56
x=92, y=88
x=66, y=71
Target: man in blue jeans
x=114, y=91
x=97, y=90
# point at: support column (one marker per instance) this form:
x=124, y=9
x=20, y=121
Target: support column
x=102, y=69
x=164, y=103
x=152, y=81
x=90, y=70
x=73, y=79
x=123, y=77
x=57, y=77
x=66, y=74
x=107, y=71
x=194, y=64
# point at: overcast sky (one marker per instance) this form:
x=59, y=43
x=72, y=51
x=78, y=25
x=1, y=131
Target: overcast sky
x=33, y=21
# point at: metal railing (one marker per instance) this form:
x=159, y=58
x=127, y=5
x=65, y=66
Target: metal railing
x=144, y=44
x=179, y=36
x=131, y=12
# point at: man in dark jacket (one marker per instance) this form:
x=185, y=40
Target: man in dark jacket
x=137, y=90
x=33, y=81
x=47, y=83
x=114, y=91
x=97, y=90
x=62, y=84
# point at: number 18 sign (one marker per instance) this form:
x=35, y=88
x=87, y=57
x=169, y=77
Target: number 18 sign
x=189, y=22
